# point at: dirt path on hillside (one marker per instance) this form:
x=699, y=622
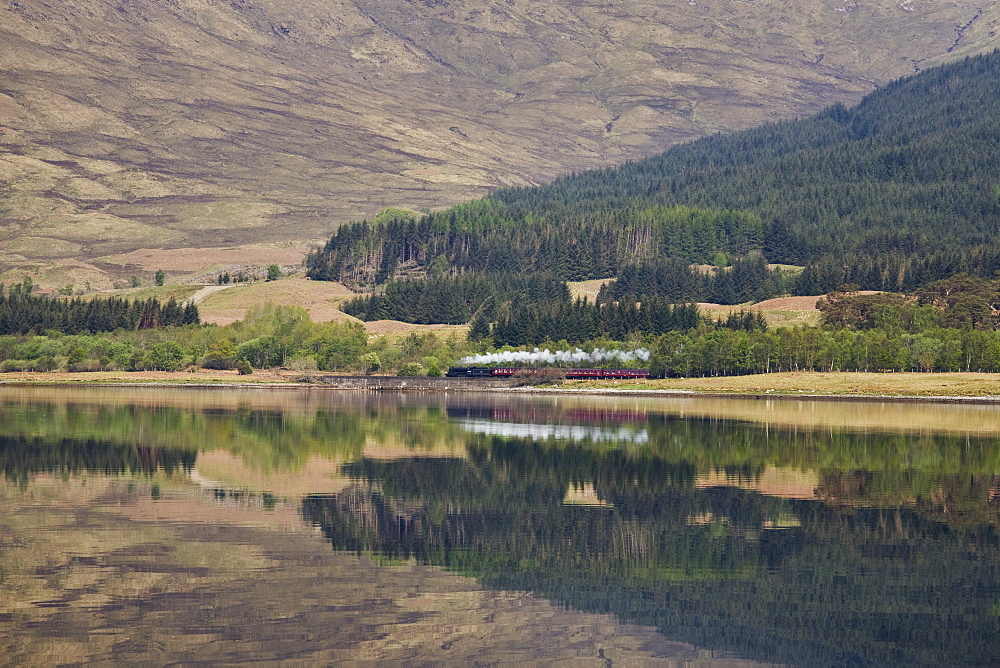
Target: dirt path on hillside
x=200, y=296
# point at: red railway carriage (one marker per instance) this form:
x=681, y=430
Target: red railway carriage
x=607, y=373
x=510, y=371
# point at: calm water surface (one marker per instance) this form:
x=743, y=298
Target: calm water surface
x=316, y=526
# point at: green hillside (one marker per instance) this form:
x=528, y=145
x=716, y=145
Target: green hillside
x=895, y=192
x=912, y=169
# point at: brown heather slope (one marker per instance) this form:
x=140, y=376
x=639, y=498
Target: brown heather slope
x=196, y=123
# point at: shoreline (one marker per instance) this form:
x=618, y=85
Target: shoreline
x=959, y=387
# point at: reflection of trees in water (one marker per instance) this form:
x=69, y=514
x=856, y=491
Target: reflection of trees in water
x=840, y=585
x=959, y=500
x=267, y=439
x=23, y=457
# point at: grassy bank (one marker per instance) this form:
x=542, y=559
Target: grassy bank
x=824, y=383
x=195, y=377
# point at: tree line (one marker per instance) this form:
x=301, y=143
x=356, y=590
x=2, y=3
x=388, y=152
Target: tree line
x=745, y=280
x=21, y=312
x=576, y=321
x=269, y=336
x=574, y=242
x=726, y=352
x=454, y=299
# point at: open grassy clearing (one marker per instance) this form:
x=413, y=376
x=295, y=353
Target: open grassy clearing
x=395, y=329
x=588, y=289
x=80, y=277
x=319, y=298
x=160, y=292
x=777, y=312
x=181, y=265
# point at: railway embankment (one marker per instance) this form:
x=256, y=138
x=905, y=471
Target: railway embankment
x=414, y=383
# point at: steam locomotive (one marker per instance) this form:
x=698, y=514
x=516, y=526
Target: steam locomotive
x=570, y=374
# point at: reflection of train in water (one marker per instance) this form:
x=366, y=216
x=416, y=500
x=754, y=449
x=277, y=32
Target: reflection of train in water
x=508, y=372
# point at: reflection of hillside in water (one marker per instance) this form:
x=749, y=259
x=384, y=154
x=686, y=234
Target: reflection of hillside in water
x=775, y=539
x=292, y=444
x=776, y=579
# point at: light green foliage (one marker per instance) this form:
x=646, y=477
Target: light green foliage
x=391, y=213
x=439, y=266
x=262, y=352
x=167, y=356
x=120, y=353
x=289, y=324
x=273, y=272
x=270, y=336
x=411, y=369
x=305, y=366
x=38, y=346
x=433, y=367
x=337, y=346
x=221, y=355
x=371, y=362
x=389, y=352
x=720, y=259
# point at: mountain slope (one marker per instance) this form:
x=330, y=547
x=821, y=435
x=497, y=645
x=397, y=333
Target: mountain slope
x=912, y=168
x=134, y=123
x=900, y=189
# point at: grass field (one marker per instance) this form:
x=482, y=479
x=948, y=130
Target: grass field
x=160, y=292
x=778, y=312
x=319, y=298
x=823, y=383
x=588, y=289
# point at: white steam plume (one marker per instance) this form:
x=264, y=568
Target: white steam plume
x=577, y=356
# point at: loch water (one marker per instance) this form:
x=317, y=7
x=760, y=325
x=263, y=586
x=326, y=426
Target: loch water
x=166, y=525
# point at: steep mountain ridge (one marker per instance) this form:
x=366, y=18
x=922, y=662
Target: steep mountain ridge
x=131, y=123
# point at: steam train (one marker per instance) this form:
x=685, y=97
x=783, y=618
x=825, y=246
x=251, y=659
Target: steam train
x=570, y=374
